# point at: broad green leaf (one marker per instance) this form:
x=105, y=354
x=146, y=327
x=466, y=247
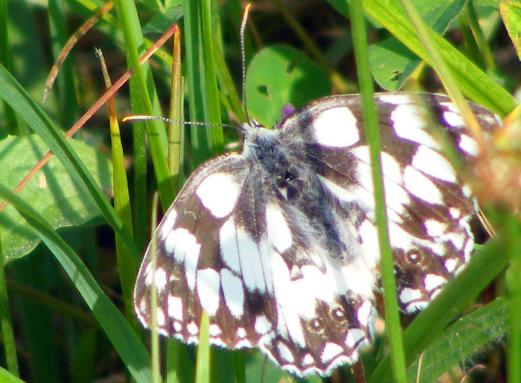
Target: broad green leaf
x=391, y=62
x=280, y=75
x=461, y=341
x=52, y=192
x=511, y=14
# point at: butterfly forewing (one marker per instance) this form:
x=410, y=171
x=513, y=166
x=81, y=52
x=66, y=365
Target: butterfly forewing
x=278, y=244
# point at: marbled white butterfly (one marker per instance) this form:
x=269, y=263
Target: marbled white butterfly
x=278, y=244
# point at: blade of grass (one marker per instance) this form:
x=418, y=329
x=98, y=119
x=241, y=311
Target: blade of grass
x=211, y=103
x=178, y=364
x=479, y=37
x=154, y=336
x=439, y=65
x=512, y=241
x=127, y=262
x=36, y=320
x=5, y=59
x=65, y=81
x=474, y=83
x=141, y=86
x=204, y=107
x=7, y=377
x=176, y=129
x=5, y=321
x=455, y=297
x=202, y=84
x=392, y=319
x=239, y=368
x=119, y=332
x=202, y=367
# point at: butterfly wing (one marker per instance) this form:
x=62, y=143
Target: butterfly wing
x=189, y=264
x=227, y=246
x=429, y=210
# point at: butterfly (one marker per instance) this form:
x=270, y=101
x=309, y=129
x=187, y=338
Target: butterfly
x=278, y=244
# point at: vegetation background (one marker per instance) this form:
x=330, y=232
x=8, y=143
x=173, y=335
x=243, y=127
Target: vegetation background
x=71, y=240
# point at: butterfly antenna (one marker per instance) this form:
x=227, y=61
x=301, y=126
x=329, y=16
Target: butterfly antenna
x=140, y=117
x=243, y=58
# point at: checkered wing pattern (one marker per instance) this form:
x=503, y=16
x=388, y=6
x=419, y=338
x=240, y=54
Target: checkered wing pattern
x=278, y=244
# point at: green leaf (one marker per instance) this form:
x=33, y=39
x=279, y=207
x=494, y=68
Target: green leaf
x=511, y=14
x=461, y=341
x=53, y=192
x=279, y=75
x=391, y=62
x=474, y=83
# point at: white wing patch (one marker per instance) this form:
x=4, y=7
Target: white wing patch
x=218, y=193
x=233, y=293
x=336, y=127
x=208, y=289
x=279, y=233
x=434, y=164
x=410, y=125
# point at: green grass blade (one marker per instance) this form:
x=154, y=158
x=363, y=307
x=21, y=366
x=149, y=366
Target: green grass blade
x=154, y=335
x=455, y=297
x=441, y=68
x=202, y=370
x=176, y=129
x=473, y=82
x=119, y=332
x=127, y=262
x=64, y=86
x=5, y=321
x=141, y=85
x=5, y=60
x=392, y=319
x=7, y=377
x=201, y=80
x=179, y=364
x=204, y=106
x=510, y=229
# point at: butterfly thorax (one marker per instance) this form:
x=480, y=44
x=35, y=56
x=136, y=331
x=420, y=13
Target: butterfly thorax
x=314, y=217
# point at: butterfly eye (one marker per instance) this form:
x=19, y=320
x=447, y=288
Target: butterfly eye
x=288, y=176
